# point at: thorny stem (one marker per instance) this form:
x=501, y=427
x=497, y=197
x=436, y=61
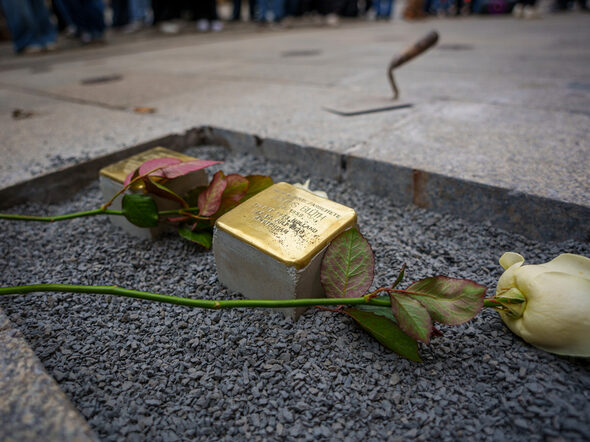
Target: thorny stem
x=198, y=303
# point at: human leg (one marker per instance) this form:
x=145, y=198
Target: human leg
x=46, y=33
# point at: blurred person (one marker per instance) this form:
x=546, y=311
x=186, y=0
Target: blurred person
x=440, y=7
x=237, y=11
x=120, y=10
x=270, y=10
x=64, y=20
x=205, y=11
x=166, y=14
x=88, y=16
x=414, y=10
x=140, y=14
x=293, y=8
x=328, y=9
x=383, y=9
x=30, y=26
x=525, y=9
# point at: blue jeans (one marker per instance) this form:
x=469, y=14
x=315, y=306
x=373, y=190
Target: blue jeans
x=277, y=6
x=29, y=24
x=138, y=10
x=88, y=16
x=383, y=8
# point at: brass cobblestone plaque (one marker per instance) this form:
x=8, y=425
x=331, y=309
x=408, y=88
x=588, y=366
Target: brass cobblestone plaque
x=290, y=224
x=118, y=171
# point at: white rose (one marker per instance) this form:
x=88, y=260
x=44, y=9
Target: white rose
x=305, y=186
x=556, y=314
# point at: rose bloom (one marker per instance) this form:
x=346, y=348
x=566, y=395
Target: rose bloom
x=556, y=314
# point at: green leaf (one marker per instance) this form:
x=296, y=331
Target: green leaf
x=156, y=188
x=412, y=317
x=140, y=210
x=378, y=310
x=202, y=237
x=400, y=277
x=210, y=198
x=449, y=301
x=257, y=183
x=386, y=332
x=348, y=266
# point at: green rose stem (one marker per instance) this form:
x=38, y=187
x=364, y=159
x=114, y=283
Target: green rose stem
x=368, y=299
x=199, y=303
x=99, y=211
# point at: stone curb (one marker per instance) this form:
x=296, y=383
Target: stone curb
x=32, y=406
x=532, y=216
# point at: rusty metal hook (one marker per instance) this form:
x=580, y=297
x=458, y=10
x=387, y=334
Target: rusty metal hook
x=417, y=48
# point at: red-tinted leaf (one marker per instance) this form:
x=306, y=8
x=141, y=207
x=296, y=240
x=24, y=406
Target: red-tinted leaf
x=236, y=188
x=181, y=169
x=178, y=219
x=385, y=331
x=210, y=198
x=156, y=188
x=348, y=265
x=449, y=301
x=130, y=177
x=412, y=317
x=257, y=184
x=192, y=196
x=156, y=163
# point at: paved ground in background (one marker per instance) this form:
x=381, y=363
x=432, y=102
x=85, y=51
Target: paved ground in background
x=499, y=101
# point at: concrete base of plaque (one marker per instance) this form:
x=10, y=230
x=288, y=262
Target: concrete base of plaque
x=111, y=180
x=271, y=246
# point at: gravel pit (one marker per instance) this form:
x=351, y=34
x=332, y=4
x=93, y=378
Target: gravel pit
x=143, y=371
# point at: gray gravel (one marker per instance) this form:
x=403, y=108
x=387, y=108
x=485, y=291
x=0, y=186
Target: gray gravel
x=144, y=371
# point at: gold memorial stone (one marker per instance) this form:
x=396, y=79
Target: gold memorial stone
x=111, y=180
x=289, y=224
x=271, y=246
x=118, y=171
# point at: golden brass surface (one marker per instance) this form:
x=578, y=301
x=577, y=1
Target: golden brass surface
x=292, y=225
x=118, y=171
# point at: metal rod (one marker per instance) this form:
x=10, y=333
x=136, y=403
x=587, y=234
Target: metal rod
x=417, y=48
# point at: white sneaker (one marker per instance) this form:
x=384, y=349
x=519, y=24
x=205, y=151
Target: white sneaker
x=132, y=27
x=530, y=13
x=202, y=25
x=216, y=26
x=168, y=27
x=517, y=11
x=332, y=20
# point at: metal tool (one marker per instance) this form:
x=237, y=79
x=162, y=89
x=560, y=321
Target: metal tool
x=354, y=104
x=416, y=49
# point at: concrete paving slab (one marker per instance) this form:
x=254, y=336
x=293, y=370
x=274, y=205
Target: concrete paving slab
x=498, y=103
x=61, y=134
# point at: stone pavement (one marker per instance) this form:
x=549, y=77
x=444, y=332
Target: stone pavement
x=499, y=127
x=499, y=102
